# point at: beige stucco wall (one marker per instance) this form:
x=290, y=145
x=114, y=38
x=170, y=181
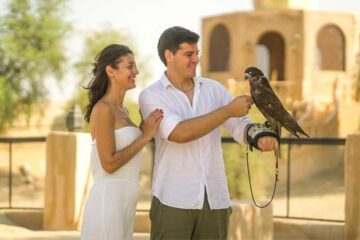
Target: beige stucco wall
x=317, y=84
x=246, y=29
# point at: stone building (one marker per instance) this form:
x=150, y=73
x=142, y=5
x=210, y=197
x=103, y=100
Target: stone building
x=309, y=56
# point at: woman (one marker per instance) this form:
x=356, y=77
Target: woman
x=115, y=159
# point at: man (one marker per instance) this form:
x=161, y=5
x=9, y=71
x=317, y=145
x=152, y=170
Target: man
x=190, y=195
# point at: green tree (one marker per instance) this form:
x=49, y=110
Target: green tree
x=31, y=49
x=94, y=43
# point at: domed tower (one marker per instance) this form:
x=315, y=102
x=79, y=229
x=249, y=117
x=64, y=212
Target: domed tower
x=309, y=56
x=303, y=52
x=283, y=4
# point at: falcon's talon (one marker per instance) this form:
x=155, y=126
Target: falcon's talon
x=267, y=124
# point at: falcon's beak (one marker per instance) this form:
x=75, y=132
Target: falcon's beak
x=247, y=76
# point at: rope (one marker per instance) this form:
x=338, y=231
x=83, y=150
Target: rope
x=276, y=177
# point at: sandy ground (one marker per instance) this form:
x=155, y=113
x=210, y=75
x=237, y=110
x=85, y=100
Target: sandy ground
x=10, y=231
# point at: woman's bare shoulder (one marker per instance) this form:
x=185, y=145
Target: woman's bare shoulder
x=101, y=108
x=101, y=112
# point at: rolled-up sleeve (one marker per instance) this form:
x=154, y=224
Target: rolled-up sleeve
x=235, y=126
x=148, y=102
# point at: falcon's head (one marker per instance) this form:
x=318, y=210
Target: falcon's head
x=253, y=72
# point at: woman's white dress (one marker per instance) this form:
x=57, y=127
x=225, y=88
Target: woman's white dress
x=110, y=208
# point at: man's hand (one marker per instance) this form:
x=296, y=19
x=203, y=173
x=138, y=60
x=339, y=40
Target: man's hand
x=239, y=106
x=267, y=143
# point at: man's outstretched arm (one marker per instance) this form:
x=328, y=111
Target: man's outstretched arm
x=194, y=128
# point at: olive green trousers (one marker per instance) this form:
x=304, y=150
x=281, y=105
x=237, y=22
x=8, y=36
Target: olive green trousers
x=175, y=223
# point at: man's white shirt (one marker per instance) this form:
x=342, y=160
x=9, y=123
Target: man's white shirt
x=183, y=171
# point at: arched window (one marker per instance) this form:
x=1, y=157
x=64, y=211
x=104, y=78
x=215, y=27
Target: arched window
x=219, y=55
x=331, y=48
x=270, y=55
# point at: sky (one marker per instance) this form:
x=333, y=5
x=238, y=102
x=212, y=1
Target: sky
x=145, y=20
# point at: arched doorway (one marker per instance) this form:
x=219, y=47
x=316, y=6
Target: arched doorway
x=270, y=55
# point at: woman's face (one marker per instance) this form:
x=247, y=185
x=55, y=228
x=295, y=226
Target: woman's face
x=125, y=72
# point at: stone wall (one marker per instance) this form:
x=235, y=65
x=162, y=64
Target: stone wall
x=352, y=190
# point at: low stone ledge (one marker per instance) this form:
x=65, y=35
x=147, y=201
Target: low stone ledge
x=250, y=222
x=142, y=222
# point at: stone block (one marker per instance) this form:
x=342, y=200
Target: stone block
x=352, y=190
x=67, y=179
x=250, y=222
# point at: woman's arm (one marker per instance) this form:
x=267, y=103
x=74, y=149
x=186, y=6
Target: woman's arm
x=103, y=129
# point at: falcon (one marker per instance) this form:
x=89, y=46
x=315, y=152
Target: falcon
x=269, y=104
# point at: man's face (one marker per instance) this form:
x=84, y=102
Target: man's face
x=185, y=60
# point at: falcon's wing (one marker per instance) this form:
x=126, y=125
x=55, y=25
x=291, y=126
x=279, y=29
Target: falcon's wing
x=272, y=108
x=267, y=101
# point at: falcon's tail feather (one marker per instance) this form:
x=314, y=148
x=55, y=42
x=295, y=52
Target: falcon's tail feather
x=304, y=133
x=301, y=131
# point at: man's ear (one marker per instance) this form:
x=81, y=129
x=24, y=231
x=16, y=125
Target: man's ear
x=168, y=55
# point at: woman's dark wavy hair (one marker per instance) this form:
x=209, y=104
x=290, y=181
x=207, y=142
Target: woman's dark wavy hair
x=98, y=85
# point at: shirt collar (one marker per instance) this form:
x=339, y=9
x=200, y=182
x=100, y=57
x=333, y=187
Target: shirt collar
x=166, y=82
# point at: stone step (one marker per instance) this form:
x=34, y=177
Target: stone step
x=296, y=229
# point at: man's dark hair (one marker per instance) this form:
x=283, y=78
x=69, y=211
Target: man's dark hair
x=171, y=39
